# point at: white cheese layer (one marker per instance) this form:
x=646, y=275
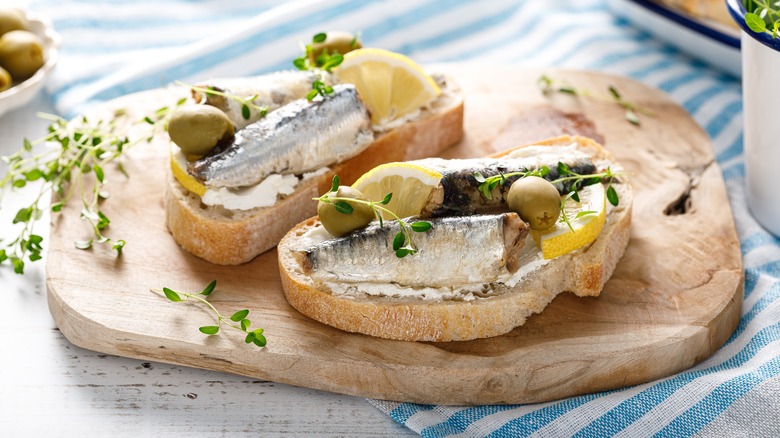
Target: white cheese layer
x=264, y=194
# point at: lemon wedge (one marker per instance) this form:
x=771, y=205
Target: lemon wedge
x=179, y=170
x=390, y=84
x=410, y=184
x=587, y=218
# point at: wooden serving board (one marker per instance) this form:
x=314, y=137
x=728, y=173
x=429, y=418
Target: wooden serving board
x=674, y=298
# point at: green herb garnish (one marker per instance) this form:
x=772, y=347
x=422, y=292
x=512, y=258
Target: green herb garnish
x=246, y=102
x=237, y=321
x=763, y=16
x=403, y=243
x=82, y=147
x=325, y=61
x=487, y=184
x=549, y=85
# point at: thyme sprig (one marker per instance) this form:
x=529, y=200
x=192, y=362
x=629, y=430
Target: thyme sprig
x=403, y=243
x=550, y=85
x=246, y=102
x=237, y=321
x=487, y=184
x=74, y=150
x=324, y=62
x=763, y=16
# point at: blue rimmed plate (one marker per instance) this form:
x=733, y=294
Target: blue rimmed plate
x=708, y=41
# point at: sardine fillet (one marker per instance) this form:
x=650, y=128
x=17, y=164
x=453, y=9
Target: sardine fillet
x=299, y=137
x=455, y=251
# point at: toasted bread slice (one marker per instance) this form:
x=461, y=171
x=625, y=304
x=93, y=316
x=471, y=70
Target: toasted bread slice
x=228, y=237
x=583, y=272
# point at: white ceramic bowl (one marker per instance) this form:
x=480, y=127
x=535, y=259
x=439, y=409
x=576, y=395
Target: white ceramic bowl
x=23, y=92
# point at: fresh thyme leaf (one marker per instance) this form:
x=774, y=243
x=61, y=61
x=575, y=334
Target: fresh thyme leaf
x=209, y=329
x=171, y=295
x=563, y=169
x=614, y=92
x=575, y=195
x=568, y=90
x=240, y=315
x=421, y=226
x=612, y=195
x=631, y=117
x=479, y=177
x=312, y=94
x=334, y=185
x=245, y=113
x=210, y=288
x=23, y=215
x=118, y=246
x=398, y=241
x=755, y=23
x=585, y=213
x=98, y=172
x=255, y=336
x=320, y=37
x=403, y=252
x=343, y=207
x=386, y=199
x=301, y=63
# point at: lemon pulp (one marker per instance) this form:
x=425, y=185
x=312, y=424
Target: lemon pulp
x=390, y=84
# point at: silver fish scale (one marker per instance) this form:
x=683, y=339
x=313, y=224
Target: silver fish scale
x=297, y=138
x=455, y=251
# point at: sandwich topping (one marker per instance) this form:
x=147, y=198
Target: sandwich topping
x=493, y=222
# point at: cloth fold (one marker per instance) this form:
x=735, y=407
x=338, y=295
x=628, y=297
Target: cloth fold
x=111, y=48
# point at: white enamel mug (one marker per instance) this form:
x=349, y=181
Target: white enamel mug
x=760, y=97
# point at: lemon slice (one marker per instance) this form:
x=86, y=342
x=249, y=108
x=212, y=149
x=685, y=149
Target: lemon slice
x=410, y=184
x=560, y=239
x=390, y=84
x=179, y=169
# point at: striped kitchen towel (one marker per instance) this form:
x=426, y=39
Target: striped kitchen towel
x=114, y=47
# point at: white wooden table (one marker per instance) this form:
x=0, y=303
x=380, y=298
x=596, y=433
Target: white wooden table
x=49, y=385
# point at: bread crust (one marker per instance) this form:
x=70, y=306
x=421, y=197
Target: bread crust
x=231, y=238
x=583, y=272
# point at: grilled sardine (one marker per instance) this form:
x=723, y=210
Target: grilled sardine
x=458, y=193
x=455, y=251
x=273, y=90
x=300, y=137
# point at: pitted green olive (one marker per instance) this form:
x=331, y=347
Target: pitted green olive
x=536, y=201
x=5, y=80
x=335, y=41
x=12, y=19
x=21, y=53
x=338, y=223
x=197, y=129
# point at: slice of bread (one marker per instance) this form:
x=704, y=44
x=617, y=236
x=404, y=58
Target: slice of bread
x=583, y=272
x=229, y=237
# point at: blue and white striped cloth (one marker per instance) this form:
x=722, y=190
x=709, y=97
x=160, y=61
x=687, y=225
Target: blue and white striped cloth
x=114, y=47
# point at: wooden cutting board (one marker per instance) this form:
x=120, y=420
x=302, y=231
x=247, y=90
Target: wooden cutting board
x=673, y=300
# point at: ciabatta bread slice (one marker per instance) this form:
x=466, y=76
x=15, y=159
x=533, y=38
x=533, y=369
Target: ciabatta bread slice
x=231, y=237
x=582, y=272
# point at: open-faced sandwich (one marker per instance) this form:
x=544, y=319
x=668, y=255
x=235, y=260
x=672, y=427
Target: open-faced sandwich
x=248, y=159
x=443, y=250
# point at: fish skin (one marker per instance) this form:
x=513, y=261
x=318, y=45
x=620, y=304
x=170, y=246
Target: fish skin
x=455, y=251
x=458, y=192
x=300, y=137
x=274, y=90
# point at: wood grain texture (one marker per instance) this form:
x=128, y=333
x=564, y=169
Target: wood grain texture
x=674, y=298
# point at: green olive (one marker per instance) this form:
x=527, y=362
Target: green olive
x=338, y=223
x=5, y=80
x=536, y=201
x=335, y=41
x=21, y=53
x=197, y=129
x=12, y=19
